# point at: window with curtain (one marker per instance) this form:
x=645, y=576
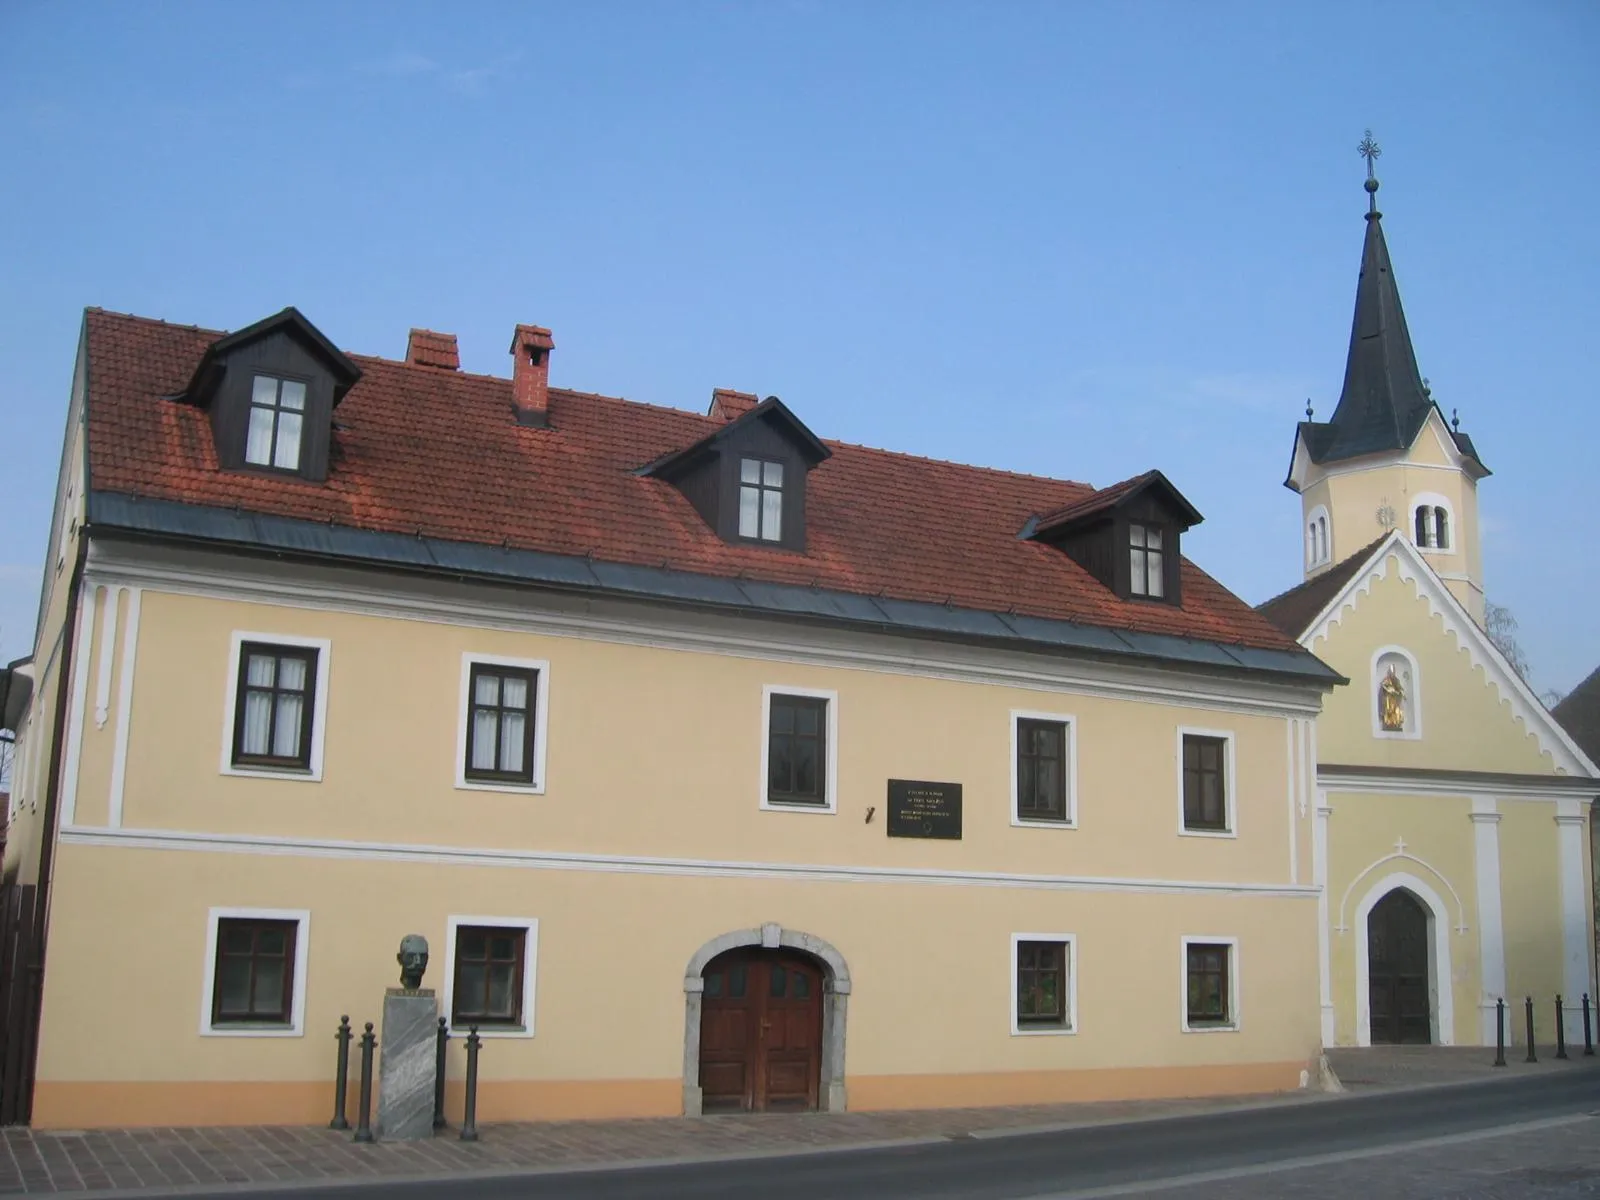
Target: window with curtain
x=761, y=499
x=1148, y=577
x=277, y=419
x=273, y=711
x=1041, y=770
x=500, y=725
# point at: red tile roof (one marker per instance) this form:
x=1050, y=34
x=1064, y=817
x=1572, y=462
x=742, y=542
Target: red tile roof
x=426, y=348
x=728, y=405
x=440, y=453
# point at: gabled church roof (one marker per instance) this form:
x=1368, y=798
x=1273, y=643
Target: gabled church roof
x=1296, y=610
x=1384, y=401
x=1579, y=714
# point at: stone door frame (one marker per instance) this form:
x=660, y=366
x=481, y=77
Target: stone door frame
x=835, y=1007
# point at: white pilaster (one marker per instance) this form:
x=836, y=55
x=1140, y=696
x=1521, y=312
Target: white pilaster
x=1319, y=870
x=1574, y=911
x=1491, y=931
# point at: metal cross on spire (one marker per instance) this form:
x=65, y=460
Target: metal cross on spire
x=1370, y=150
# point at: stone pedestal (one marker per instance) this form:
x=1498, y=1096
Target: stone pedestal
x=406, y=1056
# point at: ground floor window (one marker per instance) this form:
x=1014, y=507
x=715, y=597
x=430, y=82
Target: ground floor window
x=491, y=980
x=1209, y=987
x=255, y=978
x=1042, y=983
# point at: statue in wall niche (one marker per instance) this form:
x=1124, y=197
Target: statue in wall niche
x=1392, y=703
x=413, y=960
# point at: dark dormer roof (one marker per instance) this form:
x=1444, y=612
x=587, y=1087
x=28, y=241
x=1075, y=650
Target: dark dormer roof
x=16, y=689
x=1384, y=401
x=771, y=410
x=1579, y=715
x=291, y=321
x=1118, y=495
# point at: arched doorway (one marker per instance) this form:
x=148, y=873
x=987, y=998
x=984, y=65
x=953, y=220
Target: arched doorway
x=827, y=987
x=1397, y=970
x=761, y=1032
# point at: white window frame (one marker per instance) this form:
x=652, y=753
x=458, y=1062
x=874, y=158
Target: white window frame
x=1430, y=501
x=1318, y=525
x=1413, y=700
x=302, y=956
x=1071, y=722
x=1230, y=790
x=541, y=722
x=530, y=973
x=1195, y=939
x=319, y=714
x=768, y=691
x=1070, y=941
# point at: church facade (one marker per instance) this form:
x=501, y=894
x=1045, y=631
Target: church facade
x=1451, y=809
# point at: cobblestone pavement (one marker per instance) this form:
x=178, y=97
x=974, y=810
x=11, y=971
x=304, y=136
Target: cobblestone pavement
x=1557, y=1162
x=1411, y=1066
x=65, y=1161
x=97, y=1160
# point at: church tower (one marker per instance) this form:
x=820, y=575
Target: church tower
x=1388, y=458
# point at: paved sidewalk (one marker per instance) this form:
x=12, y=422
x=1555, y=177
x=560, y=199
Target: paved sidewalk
x=98, y=1160
x=1419, y=1066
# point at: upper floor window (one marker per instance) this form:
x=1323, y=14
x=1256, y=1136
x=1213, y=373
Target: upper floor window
x=1205, y=770
x=798, y=758
x=1430, y=523
x=1147, y=573
x=275, y=706
x=277, y=419
x=1042, y=769
x=761, y=499
x=500, y=727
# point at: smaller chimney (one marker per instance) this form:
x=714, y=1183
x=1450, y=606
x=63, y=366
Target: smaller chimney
x=425, y=348
x=530, y=374
x=728, y=405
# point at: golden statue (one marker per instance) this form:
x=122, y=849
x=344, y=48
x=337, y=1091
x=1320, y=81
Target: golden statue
x=1391, y=703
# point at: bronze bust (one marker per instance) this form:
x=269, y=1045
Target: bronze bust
x=413, y=960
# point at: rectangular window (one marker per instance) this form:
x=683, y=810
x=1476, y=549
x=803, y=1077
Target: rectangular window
x=490, y=965
x=277, y=418
x=760, y=499
x=274, y=706
x=1042, y=984
x=1147, y=576
x=1205, y=783
x=797, y=750
x=500, y=724
x=1043, y=750
x=1208, y=982
x=254, y=971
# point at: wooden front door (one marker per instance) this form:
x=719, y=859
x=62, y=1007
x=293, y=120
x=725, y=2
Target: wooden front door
x=760, y=1032
x=1397, y=970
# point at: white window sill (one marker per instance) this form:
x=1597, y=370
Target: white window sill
x=1231, y=1027
x=515, y=789
x=1225, y=834
x=1396, y=735
x=252, y=1031
x=301, y=774
x=780, y=806
x=485, y=1032
x=1029, y=823
x=1044, y=1031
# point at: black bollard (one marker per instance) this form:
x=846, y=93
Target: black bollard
x=469, y=1117
x=364, y=1115
x=1588, y=1029
x=1561, y=1030
x=341, y=1075
x=1533, y=1055
x=438, y=1075
x=1500, y=1032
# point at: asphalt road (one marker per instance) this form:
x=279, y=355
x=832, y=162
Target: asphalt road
x=1038, y=1164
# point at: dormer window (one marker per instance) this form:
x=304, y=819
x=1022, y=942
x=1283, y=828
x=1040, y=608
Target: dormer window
x=761, y=499
x=277, y=417
x=1147, y=575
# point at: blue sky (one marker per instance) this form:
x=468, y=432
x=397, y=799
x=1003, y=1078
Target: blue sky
x=1073, y=239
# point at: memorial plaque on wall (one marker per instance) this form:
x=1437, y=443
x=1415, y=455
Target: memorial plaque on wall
x=924, y=810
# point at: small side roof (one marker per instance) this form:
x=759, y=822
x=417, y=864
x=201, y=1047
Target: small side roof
x=1579, y=714
x=1294, y=611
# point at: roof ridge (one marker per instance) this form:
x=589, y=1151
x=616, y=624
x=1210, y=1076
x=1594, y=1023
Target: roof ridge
x=947, y=462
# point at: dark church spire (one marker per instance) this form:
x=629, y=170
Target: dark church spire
x=1384, y=401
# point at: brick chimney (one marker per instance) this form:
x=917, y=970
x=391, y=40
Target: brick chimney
x=425, y=348
x=729, y=405
x=530, y=374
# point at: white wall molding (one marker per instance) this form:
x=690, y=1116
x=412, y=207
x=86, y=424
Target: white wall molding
x=165, y=839
x=1576, y=913
x=119, y=761
x=1400, y=854
x=1440, y=996
x=1319, y=876
x=77, y=714
x=656, y=626
x=108, y=648
x=1455, y=789
x=1491, y=934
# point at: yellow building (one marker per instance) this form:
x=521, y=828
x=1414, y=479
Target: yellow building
x=1451, y=809
x=721, y=766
